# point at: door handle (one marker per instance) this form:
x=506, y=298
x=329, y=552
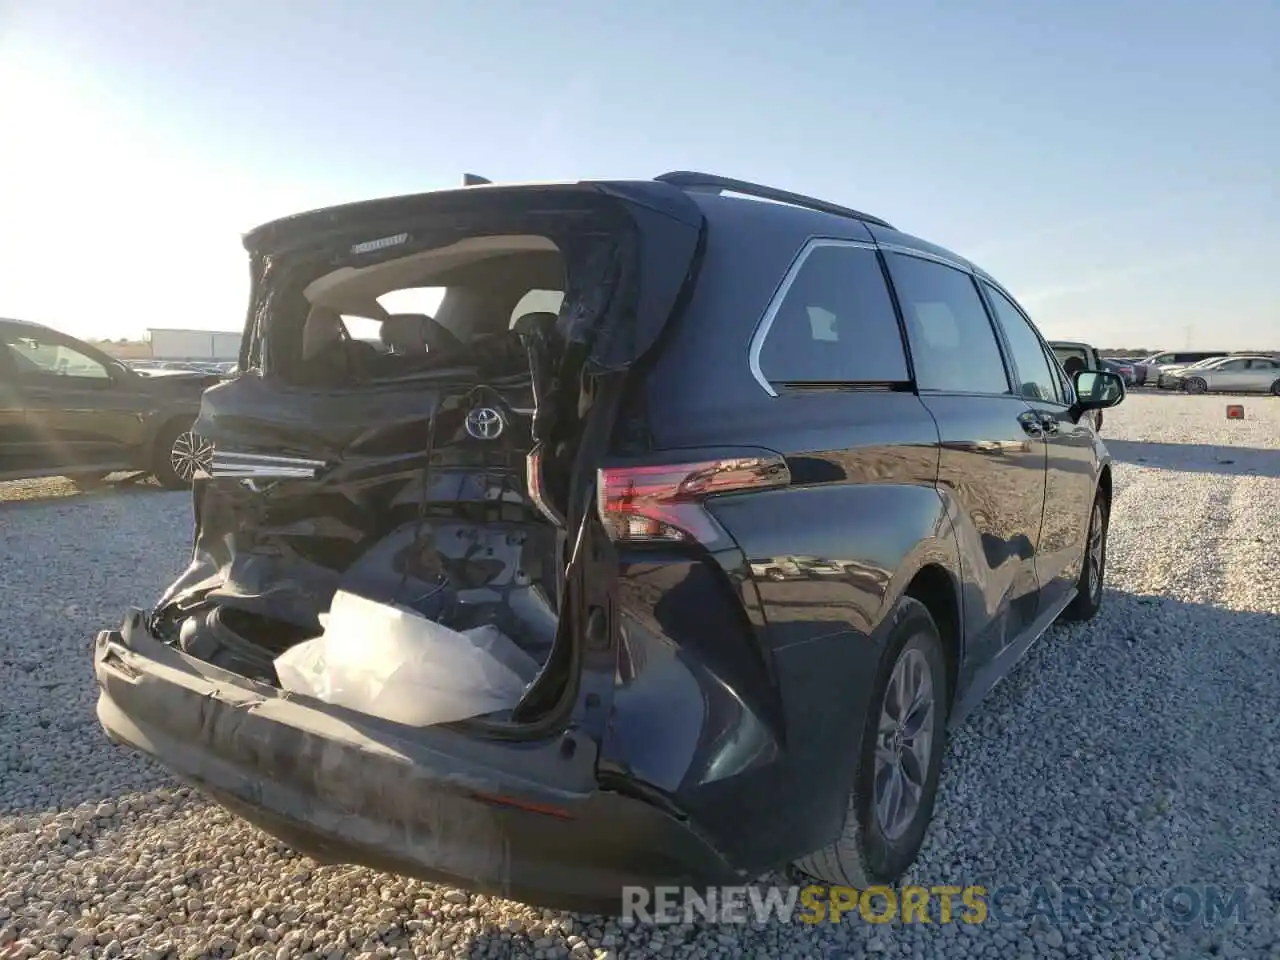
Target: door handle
x=1031, y=424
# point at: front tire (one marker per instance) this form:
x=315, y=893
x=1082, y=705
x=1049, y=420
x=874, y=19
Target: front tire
x=899, y=761
x=1093, y=569
x=1196, y=385
x=178, y=455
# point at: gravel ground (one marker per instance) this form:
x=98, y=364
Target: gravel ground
x=1142, y=748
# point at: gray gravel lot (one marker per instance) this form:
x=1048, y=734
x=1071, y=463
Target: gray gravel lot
x=1140, y=749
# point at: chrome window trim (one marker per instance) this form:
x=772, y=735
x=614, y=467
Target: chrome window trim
x=1055, y=366
x=929, y=255
x=765, y=324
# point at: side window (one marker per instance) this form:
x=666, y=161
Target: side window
x=32, y=356
x=1234, y=365
x=835, y=323
x=952, y=342
x=1261, y=364
x=1036, y=378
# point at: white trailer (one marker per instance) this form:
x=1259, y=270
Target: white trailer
x=175, y=344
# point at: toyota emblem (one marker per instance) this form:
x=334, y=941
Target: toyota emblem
x=485, y=423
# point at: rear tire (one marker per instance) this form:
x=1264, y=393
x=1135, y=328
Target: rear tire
x=1275, y=389
x=881, y=839
x=1093, y=568
x=178, y=452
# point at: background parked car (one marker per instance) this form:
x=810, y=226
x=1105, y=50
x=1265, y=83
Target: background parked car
x=1159, y=363
x=1169, y=376
x=1131, y=371
x=1248, y=374
x=68, y=409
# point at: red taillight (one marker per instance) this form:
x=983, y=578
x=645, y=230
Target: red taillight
x=663, y=504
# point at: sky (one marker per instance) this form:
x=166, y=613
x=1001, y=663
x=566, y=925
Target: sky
x=1114, y=164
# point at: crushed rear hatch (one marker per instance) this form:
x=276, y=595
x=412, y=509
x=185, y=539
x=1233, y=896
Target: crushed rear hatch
x=371, y=473
x=379, y=470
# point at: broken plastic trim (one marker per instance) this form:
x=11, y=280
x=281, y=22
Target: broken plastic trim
x=229, y=464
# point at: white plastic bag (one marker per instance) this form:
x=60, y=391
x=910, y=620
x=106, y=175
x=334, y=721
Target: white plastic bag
x=389, y=662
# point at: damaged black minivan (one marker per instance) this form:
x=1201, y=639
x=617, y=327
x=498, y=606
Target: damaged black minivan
x=699, y=457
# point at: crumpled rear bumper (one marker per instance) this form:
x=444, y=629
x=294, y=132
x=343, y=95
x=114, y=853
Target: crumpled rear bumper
x=491, y=816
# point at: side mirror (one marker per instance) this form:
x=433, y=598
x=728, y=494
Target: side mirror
x=1098, y=389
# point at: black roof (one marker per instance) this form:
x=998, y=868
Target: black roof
x=474, y=186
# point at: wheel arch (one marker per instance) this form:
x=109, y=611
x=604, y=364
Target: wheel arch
x=936, y=588
x=1104, y=484
x=160, y=429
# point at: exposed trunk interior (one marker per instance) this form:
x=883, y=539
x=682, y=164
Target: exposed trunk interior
x=427, y=386
x=406, y=503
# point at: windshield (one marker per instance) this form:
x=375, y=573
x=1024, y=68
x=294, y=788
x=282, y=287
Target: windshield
x=1203, y=364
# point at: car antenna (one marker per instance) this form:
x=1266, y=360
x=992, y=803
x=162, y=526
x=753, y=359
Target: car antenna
x=474, y=180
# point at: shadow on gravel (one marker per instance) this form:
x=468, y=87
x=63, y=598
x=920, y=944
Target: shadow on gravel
x=1198, y=457
x=1141, y=651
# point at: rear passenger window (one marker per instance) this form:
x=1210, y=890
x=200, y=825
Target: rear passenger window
x=1036, y=376
x=952, y=343
x=835, y=323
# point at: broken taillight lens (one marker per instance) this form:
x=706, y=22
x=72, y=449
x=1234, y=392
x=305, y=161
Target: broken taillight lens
x=664, y=504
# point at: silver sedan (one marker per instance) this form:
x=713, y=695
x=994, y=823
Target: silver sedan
x=1233, y=375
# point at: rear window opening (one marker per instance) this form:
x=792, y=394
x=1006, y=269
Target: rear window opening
x=445, y=307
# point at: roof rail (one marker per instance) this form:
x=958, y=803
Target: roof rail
x=710, y=183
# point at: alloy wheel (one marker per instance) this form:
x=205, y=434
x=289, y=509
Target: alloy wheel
x=904, y=743
x=190, y=453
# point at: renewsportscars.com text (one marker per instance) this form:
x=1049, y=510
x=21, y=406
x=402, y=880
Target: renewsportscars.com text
x=1207, y=904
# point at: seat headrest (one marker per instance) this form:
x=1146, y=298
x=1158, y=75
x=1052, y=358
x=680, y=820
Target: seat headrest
x=405, y=332
x=538, y=320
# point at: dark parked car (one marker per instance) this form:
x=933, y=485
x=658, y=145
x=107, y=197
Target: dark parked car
x=68, y=409
x=1130, y=372
x=778, y=494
